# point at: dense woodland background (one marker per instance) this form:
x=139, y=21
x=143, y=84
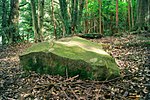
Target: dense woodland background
x=39, y=20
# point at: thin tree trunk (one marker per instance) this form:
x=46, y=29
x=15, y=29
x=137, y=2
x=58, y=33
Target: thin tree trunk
x=100, y=19
x=149, y=14
x=4, y=21
x=97, y=25
x=91, y=25
x=34, y=20
x=86, y=16
x=94, y=25
x=145, y=13
x=81, y=6
x=74, y=14
x=132, y=14
x=111, y=20
x=69, y=8
x=40, y=18
x=10, y=33
x=129, y=15
x=117, y=19
x=138, y=7
x=54, y=20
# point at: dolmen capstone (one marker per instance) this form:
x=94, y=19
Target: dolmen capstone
x=70, y=56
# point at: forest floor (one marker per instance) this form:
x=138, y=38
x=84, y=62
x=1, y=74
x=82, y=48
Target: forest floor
x=131, y=52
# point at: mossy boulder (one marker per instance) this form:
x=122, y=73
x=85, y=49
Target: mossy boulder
x=70, y=56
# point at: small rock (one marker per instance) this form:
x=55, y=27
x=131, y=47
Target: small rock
x=126, y=94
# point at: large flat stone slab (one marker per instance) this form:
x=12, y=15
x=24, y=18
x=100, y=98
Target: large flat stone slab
x=71, y=56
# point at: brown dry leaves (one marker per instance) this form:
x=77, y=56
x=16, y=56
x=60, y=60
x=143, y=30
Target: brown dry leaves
x=131, y=59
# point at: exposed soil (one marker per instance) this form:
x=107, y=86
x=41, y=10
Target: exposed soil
x=131, y=52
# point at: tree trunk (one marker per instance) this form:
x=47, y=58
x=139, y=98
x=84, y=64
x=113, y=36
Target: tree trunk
x=86, y=15
x=100, y=19
x=148, y=15
x=129, y=14
x=14, y=21
x=132, y=14
x=142, y=15
x=111, y=24
x=54, y=20
x=117, y=19
x=81, y=6
x=34, y=21
x=74, y=14
x=4, y=22
x=37, y=19
x=40, y=18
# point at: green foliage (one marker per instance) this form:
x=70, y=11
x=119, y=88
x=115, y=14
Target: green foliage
x=109, y=14
x=25, y=24
x=108, y=32
x=91, y=14
x=92, y=7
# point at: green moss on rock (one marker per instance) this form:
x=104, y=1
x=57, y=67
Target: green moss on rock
x=74, y=56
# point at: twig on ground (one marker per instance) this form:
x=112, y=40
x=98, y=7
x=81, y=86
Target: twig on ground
x=71, y=78
x=74, y=93
x=65, y=94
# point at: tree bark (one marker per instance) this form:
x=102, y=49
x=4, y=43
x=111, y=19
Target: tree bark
x=129, y=14
x=14, y=21
x=100, y=19
x=132, y=14
x=117, y=19
x=74, y=15
x=4, y=22
x=86, y=15
x=40, y=18
x=34, y=20
x=81, y=6
x=37, y=19
x=142, y=15
x=54, y=20
x=148, y=15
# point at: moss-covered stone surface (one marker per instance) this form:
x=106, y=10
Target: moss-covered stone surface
x=70, y=56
